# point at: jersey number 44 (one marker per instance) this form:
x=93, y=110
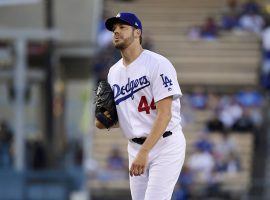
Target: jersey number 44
x=145, y=107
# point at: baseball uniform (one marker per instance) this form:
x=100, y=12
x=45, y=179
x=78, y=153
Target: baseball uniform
x=137, y=87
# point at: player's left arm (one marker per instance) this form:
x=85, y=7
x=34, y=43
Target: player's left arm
x=160, y=124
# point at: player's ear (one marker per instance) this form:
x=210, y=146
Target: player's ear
x=138, y=34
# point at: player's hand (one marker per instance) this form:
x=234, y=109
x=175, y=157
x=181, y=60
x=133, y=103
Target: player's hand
x=139, y=164
x=107, y=114
x=99, y=124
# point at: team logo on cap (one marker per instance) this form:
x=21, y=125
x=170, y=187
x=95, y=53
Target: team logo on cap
x=118, y=15
x=136, y=24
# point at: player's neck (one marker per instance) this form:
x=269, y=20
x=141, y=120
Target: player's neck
x=131, y=53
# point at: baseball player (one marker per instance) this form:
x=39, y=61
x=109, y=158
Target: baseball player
x=147, y=97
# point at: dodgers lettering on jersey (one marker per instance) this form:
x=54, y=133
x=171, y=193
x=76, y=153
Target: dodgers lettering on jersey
x=137, y=87
x=121, y=93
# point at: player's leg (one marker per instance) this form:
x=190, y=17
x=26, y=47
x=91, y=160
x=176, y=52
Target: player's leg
x=138, y=184
x=163, y=174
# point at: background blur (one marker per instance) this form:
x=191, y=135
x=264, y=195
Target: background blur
x=52, y=54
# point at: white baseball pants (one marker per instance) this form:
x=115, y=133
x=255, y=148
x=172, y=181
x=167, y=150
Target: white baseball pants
x=164, y=167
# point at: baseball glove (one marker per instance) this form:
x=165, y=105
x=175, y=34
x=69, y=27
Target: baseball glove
x=104, y=101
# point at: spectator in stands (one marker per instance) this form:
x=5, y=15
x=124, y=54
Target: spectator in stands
x=265, y=76
x=265, y=68
x=252, y=22
x=115, y=160
x=213, y=101
x=184, y=184
x=204, y=143
x=214, y=124
x=266, y=41
x=244, y=123
x=179, y=193
x=225, y=145
x=6, y=137
x=230, y=164
x=249, y=98
x=230, y=15
x=229, y=22
x=255, y=114
x=224, y=148
x=194, y=33
x=231, y=7
x=233, y=164
x=251, y=6
x=186, y=179
x=116, y=167
x=198, y=98
x=209, y=29
x=213, y=188
x=230, y=112
x=201, y=163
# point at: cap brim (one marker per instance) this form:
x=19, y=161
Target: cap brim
x=111, y=21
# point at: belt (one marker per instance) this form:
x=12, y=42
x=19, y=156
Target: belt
x=142, y=139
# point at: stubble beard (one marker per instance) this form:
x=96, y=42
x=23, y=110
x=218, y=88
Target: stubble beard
x=125, y=43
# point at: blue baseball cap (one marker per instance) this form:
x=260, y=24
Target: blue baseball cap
x=124, y=17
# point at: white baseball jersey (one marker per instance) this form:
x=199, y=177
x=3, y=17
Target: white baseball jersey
x=137, y=87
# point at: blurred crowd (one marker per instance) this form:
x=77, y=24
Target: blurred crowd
x=212, y=160
x=236, y=17
x=114, y=169
x=207, y=166
x=240, y=111
x=239, y=18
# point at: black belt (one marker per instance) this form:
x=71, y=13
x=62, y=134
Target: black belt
x=142, y=139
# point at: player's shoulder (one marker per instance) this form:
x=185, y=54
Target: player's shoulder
x=155, y=57
x=116, y=66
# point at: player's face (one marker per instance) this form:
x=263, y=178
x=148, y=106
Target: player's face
x=123, y=36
